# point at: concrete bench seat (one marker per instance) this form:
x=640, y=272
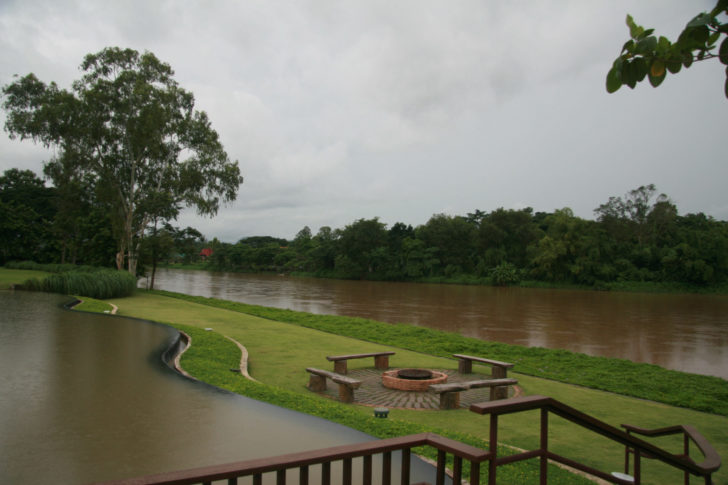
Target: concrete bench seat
x=499, y=370
x=381, y=360
x=317, y=383
x=450, y=393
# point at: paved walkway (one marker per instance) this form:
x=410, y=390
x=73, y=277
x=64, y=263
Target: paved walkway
x=373, y=393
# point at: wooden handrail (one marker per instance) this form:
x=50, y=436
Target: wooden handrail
x=710, y=464
x=711, y=459
x=325, y=456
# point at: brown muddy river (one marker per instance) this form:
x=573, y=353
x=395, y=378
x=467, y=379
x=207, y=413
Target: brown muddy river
x=682, y=332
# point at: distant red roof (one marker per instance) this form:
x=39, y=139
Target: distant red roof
x=206, y=253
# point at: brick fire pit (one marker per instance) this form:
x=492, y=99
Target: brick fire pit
x=412, y=379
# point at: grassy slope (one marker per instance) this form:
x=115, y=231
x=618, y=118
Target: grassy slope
x=646, y=381
x=280, y=352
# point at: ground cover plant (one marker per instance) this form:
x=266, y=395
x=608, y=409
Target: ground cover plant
x=646, y=381
x=280, y=352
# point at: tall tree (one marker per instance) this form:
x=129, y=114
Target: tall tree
x=130, y=128
x=646, y=55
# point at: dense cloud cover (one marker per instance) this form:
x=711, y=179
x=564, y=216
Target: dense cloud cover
x=338, y=111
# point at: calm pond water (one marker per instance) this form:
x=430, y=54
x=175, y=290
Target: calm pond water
x=682, y=332
x=86, y=397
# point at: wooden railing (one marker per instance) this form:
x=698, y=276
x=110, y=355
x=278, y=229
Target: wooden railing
x=325, y=457
x=633, y=445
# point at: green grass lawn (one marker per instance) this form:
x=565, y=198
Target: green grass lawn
x=10, y=277
x=280, y=352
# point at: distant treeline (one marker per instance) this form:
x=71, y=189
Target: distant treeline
x=638, y=238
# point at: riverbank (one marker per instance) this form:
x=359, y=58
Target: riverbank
x=645, y=381
x=621, y=286
x=279, y=353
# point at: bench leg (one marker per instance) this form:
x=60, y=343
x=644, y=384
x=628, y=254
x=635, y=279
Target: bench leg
x=381, y=362
x=449, y=400
x=499, y=392
x=346, y=393
x=317, y=383
x=340, y=367
x=499, y=372
x=465, y=366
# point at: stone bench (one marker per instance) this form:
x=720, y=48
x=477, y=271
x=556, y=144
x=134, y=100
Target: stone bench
x=317, y=383
x=499, y=370
x=450, y=393
x=381, y=360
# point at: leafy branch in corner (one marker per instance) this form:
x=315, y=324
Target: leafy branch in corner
x=645, y=55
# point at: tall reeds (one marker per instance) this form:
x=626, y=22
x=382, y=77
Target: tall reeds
x=91, y=282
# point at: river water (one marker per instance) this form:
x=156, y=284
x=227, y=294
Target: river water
x=682, y=332
x=86, y=397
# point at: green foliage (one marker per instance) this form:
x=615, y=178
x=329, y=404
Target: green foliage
x=123, y=130
x=505, y=274
x=636, y=238
x=211, y=357
x=49, y=267
x=645, y=55
x=94, y=283
x=646, y=381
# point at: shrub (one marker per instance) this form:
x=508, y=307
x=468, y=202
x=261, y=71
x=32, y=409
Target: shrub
x=505, y=274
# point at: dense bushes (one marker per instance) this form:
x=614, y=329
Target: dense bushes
x=49, y=267
x=83, y=281
x=636, y=239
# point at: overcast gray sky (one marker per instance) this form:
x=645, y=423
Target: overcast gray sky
x=338, y=111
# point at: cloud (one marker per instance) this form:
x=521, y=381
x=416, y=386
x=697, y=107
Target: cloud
x=339, y=111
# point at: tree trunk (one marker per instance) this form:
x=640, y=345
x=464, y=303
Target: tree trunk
x=154, y=270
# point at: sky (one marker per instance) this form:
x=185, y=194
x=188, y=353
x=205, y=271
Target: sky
x=338, y=111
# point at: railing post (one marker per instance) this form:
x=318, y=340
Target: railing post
x=457, y=469
x=387, y=468
x=686, y=452
x=493, y=448
x=544, y=446
x=281, y=477
x=367, y=472
x=303, y=475
x=346, y=473
x=626, y=457
x=406, y=454
x=474, y=473
x=258, y=479
x=326, y=473
x=637, y=466
x=441, y=465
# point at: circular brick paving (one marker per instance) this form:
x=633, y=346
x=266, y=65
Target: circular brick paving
x=373, y=393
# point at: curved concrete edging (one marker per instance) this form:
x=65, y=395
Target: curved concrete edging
x=243, y=359
x=176, y=363
x=113, y=311
x=188, y=343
